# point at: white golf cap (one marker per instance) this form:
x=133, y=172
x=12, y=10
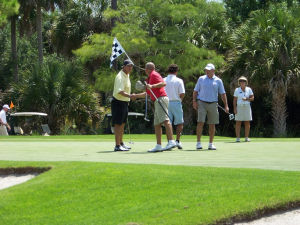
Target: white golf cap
x=210, y=66
x=6, y=106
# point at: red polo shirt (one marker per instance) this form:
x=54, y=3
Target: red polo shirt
x=155, y=78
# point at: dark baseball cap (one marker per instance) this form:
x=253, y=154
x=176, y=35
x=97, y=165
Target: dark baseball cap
x=127, y=62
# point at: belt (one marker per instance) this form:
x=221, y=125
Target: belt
x=206, y=102
x=243, y=104
x=174, y=101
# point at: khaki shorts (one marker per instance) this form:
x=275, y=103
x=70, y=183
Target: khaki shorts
x=244, y=113
x=160, y=115
x=210, y=110
x=3, y=130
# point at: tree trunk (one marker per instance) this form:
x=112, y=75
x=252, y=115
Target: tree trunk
x=114, y=6
x=278, y=88
x=39, y=31
x=13, y=37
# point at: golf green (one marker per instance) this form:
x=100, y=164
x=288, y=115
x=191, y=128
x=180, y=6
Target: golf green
x=275, y=154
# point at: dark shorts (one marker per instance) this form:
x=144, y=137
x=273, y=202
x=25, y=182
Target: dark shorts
x=119, y=111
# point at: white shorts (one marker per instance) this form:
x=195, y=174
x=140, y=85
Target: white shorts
x=244, y=113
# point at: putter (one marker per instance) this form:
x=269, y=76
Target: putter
x=130, y=142
x=146, y=110
x=231, y=116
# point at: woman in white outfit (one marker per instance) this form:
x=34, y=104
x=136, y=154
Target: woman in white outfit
x=243, y=95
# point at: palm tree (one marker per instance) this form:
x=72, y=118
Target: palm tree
x=58, y=89
x=266, y=50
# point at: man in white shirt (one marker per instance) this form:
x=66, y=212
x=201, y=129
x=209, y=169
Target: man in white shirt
x=3, y=121
x=175, y=91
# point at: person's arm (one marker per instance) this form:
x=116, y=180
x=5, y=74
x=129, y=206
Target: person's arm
x=181, y=96
x=234, y=104
x=250, y=99
x=195, y=105
x=224, y=99
x=135, y=96
x=158, y=85
x=125, y=94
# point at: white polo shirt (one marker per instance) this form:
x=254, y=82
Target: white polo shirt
x=3, y=116
x=174, y=87
x=240, y=94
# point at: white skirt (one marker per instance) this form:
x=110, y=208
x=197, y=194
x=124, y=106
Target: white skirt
x=244, y=113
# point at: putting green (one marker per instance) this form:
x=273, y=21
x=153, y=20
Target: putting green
x=276, y=154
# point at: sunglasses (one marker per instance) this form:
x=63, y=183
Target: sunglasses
x=242, y=81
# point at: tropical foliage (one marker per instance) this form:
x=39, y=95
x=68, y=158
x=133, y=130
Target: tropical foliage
x=58, y=89
x=255, y=38
x=266, y=49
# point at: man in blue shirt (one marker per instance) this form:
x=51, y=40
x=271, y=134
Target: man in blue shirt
x=205, y=100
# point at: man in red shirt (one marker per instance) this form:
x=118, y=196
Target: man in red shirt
x=157, y=84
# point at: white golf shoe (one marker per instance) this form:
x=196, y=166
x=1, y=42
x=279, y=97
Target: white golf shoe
x=199, y=146
x=179, y=145
x=171, y=144
x=238, y=140
x=211, y=147
x=157, y=148
x=247, y=139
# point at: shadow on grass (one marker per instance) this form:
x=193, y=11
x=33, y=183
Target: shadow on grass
x=257, y=214
x=106, y=152
x=23, y=170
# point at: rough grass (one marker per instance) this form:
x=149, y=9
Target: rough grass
x=111, y=193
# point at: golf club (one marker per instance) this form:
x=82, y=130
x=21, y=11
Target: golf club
x=146, y=109
x=231, y=116
x=143, y=79
x=130, y=142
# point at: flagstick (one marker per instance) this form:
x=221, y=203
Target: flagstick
x=149, y=89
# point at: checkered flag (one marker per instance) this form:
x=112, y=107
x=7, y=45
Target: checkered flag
x=117, y=50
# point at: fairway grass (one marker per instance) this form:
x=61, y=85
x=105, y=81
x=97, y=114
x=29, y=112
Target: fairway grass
x=112, y=193
x=91, y=184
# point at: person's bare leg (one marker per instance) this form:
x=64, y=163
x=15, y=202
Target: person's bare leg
x=238, y=125
x=179, y=131
x=118, y=133
x=169, y=131
x=199, y=130
x=122, y=132
x=212, y=130
x=158, y=133
x=247, y=128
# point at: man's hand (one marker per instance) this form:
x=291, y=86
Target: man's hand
x=149, y=86
x=133, y=97
x=226, y=109
x=195, y=105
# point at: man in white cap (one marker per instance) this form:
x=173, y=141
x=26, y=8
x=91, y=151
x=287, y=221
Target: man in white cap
x=205, y=100
x=3, y=121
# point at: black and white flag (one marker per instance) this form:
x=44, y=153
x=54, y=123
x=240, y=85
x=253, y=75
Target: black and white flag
x=117, y=50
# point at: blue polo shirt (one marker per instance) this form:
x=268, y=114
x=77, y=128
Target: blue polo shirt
x=208, y=88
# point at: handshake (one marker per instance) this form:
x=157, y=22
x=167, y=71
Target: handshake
x=133, y=97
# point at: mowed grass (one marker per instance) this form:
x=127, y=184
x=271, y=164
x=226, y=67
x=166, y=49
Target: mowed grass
x=119, y=193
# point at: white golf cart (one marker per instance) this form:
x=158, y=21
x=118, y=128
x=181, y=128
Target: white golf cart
x=15, y=124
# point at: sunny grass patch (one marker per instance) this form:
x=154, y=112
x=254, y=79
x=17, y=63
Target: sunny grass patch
x=110, y=193
x=134, y=137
